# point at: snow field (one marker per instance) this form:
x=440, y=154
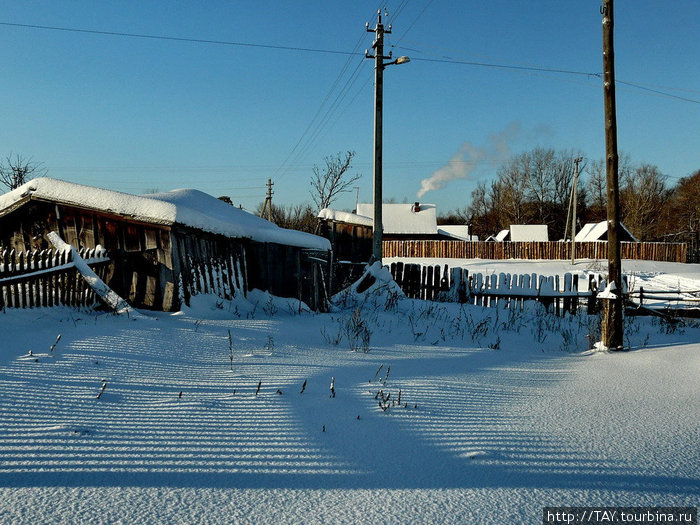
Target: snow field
x=502, y=413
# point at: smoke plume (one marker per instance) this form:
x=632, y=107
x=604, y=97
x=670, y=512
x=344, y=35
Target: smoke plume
x=470, y=158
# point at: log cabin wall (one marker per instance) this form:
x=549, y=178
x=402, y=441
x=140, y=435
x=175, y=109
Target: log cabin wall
x=289, y=271
x=158, y=267
x=350, y=242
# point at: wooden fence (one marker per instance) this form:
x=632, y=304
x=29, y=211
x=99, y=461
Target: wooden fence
x=650, y=251
x=47, y=278
x=557, y=294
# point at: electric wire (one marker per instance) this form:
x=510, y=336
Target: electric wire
x=179, y=39
x=543, y=69
x=445, y=60
x=319, y=123
x=427, y=5
x=281, y=170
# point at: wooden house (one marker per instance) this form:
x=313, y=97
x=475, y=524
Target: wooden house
x=164, y=248
x=598, y=231
x=351, y=233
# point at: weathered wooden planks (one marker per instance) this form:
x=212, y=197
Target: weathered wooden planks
x=651, y=251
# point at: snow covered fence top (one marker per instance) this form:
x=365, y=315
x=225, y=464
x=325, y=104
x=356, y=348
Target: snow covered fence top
x=187, y=207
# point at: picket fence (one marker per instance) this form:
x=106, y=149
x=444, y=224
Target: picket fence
x=559, y=295
x=48, y=278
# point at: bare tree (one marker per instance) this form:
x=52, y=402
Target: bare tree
x=334, y=179
x=643, y=197
x=564, y=177
x=532, y=186
x=485, y=213
x=514, y=182
x=539, y=169
x=16, y=171
x=294, y=217
x=686, y=204
x=596, y=186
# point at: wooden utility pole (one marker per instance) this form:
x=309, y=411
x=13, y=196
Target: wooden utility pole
x=379, y=65
x=574, y=202
x=378, y=46
x=612, y=327
x=267, y=206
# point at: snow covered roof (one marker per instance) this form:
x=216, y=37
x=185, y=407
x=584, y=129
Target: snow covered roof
x=401, y=219
x=187, y=207
x=528, y=232
x=457, y=231
x=592, y=232
x=344, y=216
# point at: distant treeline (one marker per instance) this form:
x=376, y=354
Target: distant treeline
x=535, y=188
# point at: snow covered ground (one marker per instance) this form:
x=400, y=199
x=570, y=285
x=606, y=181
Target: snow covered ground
x=501, y=413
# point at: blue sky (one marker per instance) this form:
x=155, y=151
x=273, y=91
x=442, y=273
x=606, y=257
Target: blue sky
x=133, y=114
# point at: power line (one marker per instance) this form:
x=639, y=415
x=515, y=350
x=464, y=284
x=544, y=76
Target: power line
x=179, y=39
x=340, y=97
x=313, y=121
x=414, y=22
x=445, y=60
x=542, y=69
x=315, y=127
x=539, y=69
x=400, y=8
x=656, y=91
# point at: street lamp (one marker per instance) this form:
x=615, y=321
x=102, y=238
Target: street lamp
x=379, y=65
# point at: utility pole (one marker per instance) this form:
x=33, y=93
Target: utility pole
x=379, y=65
x=267, y=206
x=378, y=46
x=574, y=199
x=612, y=327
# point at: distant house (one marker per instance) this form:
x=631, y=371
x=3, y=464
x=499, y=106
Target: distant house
x=351, y=233
x=406, y=221
x=459, y=232
x=592, y=232
x=522, y=233
x=165, y=247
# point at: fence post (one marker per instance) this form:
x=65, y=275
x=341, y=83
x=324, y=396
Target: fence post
x=444, y=282
x=456, y=285
x=428, y=283
x=567, y=299
x=593, y=289
x=437, y=281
